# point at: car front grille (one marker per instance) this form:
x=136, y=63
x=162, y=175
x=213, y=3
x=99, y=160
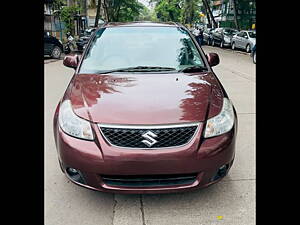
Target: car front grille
x=149, y=136
x=140, y=181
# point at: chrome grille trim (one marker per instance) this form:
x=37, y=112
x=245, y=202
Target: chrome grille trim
x=149, y=127
x=177, y=125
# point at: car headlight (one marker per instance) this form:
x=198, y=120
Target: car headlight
x=221, y=123
x=72, y=124
x=60, y=41
x=227, y=39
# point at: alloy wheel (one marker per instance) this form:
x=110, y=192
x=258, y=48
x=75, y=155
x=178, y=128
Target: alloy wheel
x=56, y=52
x=248, y=48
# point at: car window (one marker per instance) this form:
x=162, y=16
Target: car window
x=242, y=34
x=123, y=47
x=230, y=31
x=252, y=34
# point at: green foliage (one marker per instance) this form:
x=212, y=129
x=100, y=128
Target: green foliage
x=67, y=16
x=190, y=11
x=123, y=10
x=184, y=11
x=145, y=14
x=57, y=4
x=168, y=10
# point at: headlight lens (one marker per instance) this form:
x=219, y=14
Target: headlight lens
x=221, y=123
x=72, y=124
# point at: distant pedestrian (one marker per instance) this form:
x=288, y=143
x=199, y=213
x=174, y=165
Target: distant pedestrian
x=199, y=36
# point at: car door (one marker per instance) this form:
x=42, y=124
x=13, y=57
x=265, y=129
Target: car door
x=218, y=35
x=244, y=40
x=205, y=35
x=239, y=43
x=47, y=44
x=235, y=39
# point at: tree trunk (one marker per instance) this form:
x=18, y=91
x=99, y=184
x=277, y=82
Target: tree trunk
x=105, y=8
x=208, y=18
x=97, y=13
x=235, y=14
x=206, y=5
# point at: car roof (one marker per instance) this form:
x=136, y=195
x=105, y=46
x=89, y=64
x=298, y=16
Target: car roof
x=141, y=24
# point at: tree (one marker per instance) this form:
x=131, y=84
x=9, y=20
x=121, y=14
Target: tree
x=122, y=10
x=190, y=11
x=67, y=16
x=168, y=10
x=206, y=5
x=145, y=14
x=98, y=13
x=235, y=14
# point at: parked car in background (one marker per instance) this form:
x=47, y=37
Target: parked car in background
x=244, y=40
x=52, y=46
x=84, y=38
x=253, y=54
x=207, y=35
x=222, y=36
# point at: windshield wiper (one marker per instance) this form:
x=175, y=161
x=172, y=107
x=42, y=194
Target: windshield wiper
x=139, y=69
x=193, y=69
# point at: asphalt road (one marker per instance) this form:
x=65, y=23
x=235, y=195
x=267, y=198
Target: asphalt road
x=230, y=202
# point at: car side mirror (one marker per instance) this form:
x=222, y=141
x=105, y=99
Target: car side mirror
x=71, y=61
x=213, y=59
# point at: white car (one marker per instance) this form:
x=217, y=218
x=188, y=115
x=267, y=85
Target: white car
x=244, y=40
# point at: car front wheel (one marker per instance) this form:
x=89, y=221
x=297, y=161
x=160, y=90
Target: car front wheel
x=254, y=57
x=233, y=46
x=222, y=44
x=248, y=48
x=56, y=52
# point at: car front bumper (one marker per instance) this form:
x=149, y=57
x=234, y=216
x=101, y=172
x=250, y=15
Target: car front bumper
x=227, y=44
x=97, y=159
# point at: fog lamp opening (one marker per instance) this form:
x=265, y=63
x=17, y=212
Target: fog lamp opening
x=75, y=175
x=222, y=171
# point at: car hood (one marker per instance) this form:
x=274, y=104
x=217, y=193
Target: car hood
x=145, y=98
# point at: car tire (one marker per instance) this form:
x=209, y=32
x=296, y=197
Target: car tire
x=233, y=46
x=248, y=48
x=254, y=57
x=56, y=52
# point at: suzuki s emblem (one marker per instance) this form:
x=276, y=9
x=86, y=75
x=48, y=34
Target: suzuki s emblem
x=149, y=136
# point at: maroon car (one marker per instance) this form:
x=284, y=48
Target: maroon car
x=144, y=113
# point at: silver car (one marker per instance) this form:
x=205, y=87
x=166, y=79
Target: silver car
x=244, y=40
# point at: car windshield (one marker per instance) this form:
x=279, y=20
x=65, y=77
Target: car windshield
x=230, y=31
x=129, y=47
x=252, y=34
